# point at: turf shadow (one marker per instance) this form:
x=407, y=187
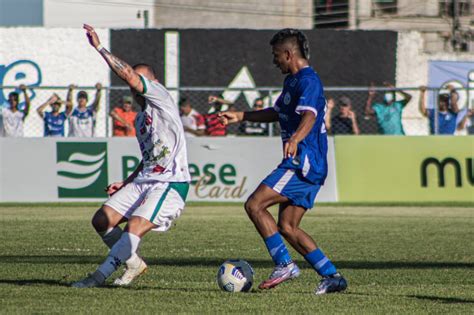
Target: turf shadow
x=27, y=282
x=446, y=300
x=402, y=265
x=216, y=261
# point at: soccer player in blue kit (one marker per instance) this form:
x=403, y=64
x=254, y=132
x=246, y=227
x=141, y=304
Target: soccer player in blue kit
x=294, y=184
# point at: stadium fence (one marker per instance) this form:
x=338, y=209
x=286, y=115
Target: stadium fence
x=414, y=123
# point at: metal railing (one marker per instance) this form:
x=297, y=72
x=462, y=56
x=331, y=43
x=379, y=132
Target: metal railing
x=412, y=121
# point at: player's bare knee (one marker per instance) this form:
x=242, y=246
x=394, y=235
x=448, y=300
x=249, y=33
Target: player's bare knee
x=286, y=229
x=252, y=207
x=99, y=221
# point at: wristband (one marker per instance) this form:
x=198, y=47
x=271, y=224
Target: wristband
x=99, y=48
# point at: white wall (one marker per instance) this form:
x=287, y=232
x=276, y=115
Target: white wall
x=63, y=57
x=112, y=14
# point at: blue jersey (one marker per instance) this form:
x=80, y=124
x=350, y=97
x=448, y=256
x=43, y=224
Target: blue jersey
x=54, y=125
x=304, y=92
x=447, y=121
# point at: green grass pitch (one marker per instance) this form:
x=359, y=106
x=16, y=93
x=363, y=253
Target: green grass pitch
x=396, y=260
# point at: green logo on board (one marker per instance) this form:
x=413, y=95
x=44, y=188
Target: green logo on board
x=81, y=169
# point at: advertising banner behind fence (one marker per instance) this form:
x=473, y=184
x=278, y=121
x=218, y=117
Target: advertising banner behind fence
x=224, y=169
x=437, y=168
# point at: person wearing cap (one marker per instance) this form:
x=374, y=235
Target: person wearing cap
x=82, y=118
x=54, y=120
x=124, y=119
x=389, y=112
x=251, y=128
x=193, y=121
x=345, y=123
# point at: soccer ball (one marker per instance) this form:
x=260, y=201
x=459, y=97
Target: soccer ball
x=235, y=276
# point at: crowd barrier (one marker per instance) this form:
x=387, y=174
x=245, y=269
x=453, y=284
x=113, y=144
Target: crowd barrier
x=361, y=169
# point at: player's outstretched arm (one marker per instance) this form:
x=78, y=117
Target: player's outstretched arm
x=120, y=67
x=264, y=115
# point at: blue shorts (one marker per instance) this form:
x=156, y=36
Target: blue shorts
x=289, y=184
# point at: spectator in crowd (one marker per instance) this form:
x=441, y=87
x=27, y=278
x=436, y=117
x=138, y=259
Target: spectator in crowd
x=82, y=119
x=124, y=118
x=345, y=123
x=449, y=116
x=388, y=113
x=255, y=128
x=54, y=120
x=214, y=127
x=193, y=122
x=12, y=117
x=468, y=122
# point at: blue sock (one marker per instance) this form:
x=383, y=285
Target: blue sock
x=320, y=263
x=277, y=249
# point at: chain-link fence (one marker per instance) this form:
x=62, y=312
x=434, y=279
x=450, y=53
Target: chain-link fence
x=348, y=108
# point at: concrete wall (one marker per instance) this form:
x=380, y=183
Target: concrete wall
x=253, y=14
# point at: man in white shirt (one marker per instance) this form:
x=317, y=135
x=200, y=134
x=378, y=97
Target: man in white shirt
x=82, y=118
x=154, y=195
x=13, y=118
x=193, y=122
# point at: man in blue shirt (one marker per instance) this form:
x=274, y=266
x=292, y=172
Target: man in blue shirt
x=449, y=116
x=54, y=120
x=294, y=184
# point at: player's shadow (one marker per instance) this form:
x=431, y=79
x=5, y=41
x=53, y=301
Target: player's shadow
x=402, y=265
x=445, y=300
x=216, y=261
x=27, y=282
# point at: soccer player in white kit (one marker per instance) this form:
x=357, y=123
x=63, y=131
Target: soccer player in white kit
x=154, y=195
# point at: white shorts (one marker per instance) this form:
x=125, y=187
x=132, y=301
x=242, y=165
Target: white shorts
x=158, y=202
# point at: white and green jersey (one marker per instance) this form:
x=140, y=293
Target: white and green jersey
x=160, y=134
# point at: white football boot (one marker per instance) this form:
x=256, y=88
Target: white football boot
x=134, y=268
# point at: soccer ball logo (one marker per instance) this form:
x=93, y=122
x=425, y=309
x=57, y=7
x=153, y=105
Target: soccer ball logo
x=235, y=276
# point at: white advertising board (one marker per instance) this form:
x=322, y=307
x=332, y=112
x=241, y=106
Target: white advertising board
x=222, y=169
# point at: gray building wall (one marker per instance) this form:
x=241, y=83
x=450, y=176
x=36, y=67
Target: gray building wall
x=253, y=14
x=21, y=12
x=412, y=15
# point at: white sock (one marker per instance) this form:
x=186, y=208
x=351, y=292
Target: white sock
x=120, y=252
x=111, y=236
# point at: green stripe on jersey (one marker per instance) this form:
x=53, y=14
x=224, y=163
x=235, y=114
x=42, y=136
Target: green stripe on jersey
x=181, y=188
x=144, y=85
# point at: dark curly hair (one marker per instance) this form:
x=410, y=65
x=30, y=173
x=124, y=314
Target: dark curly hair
x=291, y=33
